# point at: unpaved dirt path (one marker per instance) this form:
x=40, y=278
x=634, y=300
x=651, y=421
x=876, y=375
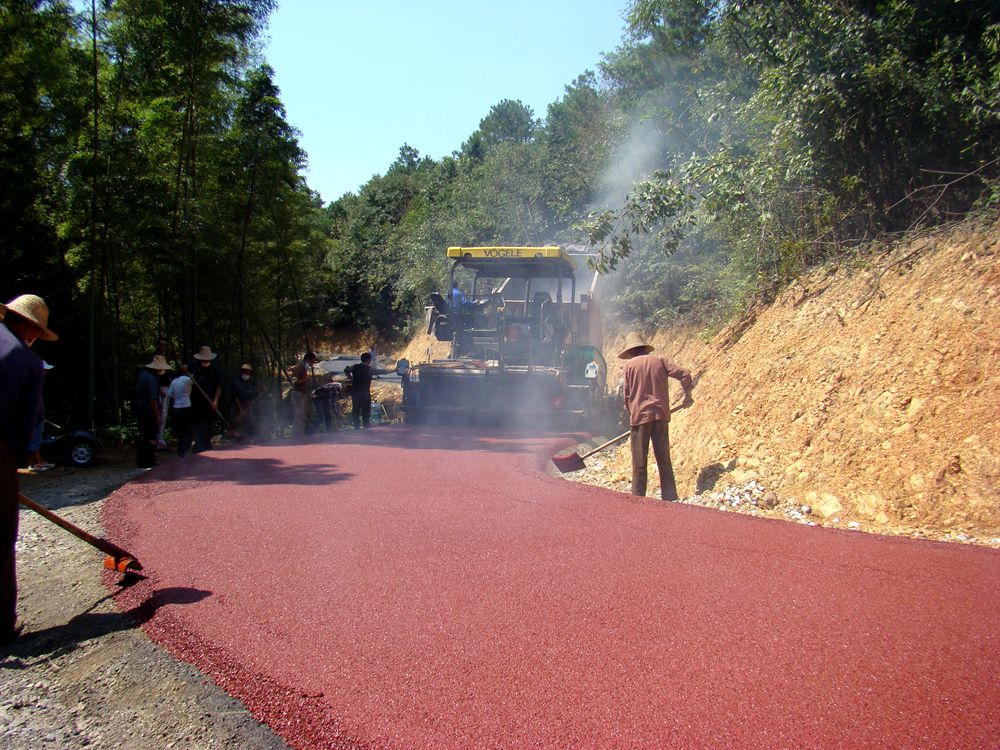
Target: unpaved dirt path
x=84, y=675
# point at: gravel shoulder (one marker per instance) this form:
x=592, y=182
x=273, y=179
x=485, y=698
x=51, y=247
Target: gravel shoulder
x=753, y=497
x=83, y=674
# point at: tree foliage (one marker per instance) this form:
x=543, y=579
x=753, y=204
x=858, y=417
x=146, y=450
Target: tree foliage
x=152, y=185
x=43, y=88
x=807, y=126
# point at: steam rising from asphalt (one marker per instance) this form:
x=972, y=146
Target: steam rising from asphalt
x=641, y=152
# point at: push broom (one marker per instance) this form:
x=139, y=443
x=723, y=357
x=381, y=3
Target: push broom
x=116, y=559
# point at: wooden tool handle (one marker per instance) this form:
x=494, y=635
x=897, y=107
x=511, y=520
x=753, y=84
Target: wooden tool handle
x=602, y=446
x=102, y=544
x=613, y=440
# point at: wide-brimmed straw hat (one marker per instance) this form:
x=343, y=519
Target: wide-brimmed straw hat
x=158, y=362
x=32, y=307
x=246, y=366
x=205, y=353
x=634, y=341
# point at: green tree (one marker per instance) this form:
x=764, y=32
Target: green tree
x=43, y=110
x=578, y=139
x=269, y=240
x=508, y=122
x=797, y=127
x=179, y=64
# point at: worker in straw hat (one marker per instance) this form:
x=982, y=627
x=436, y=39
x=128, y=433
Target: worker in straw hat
x=25, y=320
x=303, y=381
x=205, y=397
x=146, y=407
x=647, y=398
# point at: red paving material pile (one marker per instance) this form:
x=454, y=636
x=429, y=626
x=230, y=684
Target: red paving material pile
x=397, y=589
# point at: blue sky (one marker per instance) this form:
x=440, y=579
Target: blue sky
x=359, y=78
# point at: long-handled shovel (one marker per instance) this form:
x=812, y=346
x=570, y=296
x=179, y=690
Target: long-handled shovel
x=116, y=558
x=574, y=462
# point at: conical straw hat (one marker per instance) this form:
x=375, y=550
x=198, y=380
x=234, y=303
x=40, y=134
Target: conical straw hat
x=32, y=307
x=205, y=353
x=159, y=362
x=634, y=341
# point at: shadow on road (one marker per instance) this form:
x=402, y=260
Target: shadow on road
x=252, y=464
x=223, y=466
x=62, y=639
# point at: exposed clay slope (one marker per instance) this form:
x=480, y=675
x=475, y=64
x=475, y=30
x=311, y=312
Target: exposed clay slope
x=869, y=394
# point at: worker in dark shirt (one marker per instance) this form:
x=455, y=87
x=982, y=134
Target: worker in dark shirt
x=146, y=408
x=246, y=390
x=25, y=319
x=205, y=397
x=361, y=376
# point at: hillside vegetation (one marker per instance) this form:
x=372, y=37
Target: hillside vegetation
x=868, y=393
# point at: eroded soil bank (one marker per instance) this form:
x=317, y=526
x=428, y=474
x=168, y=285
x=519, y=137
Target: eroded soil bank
x=867, y=394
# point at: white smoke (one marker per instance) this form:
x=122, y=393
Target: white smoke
x=643, y=150
x=638, y=155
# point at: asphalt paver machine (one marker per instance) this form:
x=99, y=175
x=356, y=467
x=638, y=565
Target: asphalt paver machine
x=525, y=334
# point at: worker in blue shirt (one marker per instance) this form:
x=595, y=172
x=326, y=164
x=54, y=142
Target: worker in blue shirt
x=25, y=319
x=457, y=300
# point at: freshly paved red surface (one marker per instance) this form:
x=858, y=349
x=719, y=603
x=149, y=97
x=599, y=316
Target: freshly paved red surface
x=393, y=590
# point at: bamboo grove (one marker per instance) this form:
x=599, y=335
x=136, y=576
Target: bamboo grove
x=151, y=183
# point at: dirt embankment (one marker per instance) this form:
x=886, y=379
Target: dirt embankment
x=868, y=394
x=424, y=348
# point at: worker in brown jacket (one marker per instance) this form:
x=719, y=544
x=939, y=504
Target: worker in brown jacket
x=647, y=398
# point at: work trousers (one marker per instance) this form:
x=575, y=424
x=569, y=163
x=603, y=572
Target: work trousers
x=300, y=413
x=9, y=518
x=35, y=444
x=145, y=441
x=183, y=424
x=658, y=434
x=322, y=404
x=244, y=420
x=202, y=420
x=361, y=410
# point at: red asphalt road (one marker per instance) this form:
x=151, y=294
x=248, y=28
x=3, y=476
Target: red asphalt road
x=395, y=589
